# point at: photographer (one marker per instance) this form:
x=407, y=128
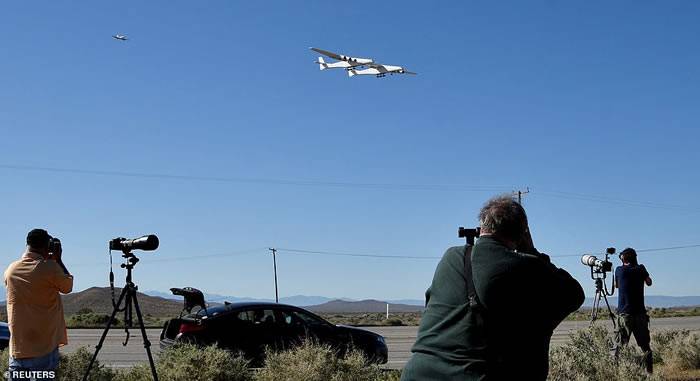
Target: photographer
x=632, y=314
x=34, y=308
x=499, y=328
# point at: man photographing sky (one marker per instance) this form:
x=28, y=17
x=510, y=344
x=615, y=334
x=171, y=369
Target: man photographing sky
x=34, y=308
x=491, y=308
x=630, y=278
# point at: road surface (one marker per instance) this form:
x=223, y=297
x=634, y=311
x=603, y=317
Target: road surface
x=399, y=340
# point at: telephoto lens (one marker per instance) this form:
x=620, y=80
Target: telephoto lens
x=146, y=243
x=591, y=260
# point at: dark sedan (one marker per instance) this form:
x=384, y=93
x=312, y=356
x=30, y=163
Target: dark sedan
x=251, y=327
x=4, y=335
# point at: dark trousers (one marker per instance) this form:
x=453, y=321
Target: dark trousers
x=637, y=325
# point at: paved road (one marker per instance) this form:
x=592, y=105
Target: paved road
x=399, y=340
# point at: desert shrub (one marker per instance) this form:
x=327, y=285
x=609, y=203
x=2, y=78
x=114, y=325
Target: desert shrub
x=73, y=366
x=316, y=362
x=4, y=360
x=192, y=363
x=588, y=356
x=661, y=340
x=391, y=375
x=394, y=322
x=679, y=350
x=90, y=320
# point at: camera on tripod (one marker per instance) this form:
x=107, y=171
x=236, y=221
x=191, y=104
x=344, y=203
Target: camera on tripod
x=128, y=295
x=599, y=266
x=146, y=243
x=599, y=269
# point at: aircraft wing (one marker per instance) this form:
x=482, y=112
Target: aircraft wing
x=379, y=67
x=326, y=53
x=390, y=69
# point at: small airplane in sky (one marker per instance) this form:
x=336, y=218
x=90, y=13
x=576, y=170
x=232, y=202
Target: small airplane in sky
x=120, y=37
x=357, y=66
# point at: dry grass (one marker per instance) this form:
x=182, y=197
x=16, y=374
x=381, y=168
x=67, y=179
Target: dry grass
x=314, y=362
x=588, y=356
x=374, y=319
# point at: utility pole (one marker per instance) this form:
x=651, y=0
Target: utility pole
x=274, y=262
x=521, y=193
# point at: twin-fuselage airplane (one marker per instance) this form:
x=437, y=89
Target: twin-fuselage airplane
x=357, y=66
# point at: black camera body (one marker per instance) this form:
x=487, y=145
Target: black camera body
x=54, y=245
x=146, y=243
x=469, y=234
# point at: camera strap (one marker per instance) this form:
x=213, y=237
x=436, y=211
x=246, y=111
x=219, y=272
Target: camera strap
x=471, y=291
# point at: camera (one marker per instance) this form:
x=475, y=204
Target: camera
x=146, y=243
x=600, y=266
x=469, y=234
x=54, y=245
x=464, y=233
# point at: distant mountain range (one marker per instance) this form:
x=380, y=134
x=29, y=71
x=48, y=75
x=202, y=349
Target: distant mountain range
x=100, y=299
x=362, y=306
x=656, y=301
x=296, y=300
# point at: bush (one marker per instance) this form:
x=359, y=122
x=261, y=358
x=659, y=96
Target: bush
x=4, y=360
x=73, y=366
x=679, y=350
x=394, y=322
x=661, y=340
x=192, y=363
x=588, y=356
x=315, y=362
x=90, y=320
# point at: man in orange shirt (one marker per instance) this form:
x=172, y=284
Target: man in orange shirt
x=34, y=307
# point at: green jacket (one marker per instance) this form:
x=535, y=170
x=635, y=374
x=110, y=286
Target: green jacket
x=524, y=298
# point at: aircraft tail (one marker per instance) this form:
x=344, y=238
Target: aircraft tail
x=322, y=63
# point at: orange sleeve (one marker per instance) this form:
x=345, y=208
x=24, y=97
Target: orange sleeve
x=62, y=281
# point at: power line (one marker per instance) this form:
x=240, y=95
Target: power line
x=331, y=253
x=268, y=181
x=651, y=251
x=261, y=250
x=356, y=185
x=615, y=201
x=345, y=254
x=197, y=257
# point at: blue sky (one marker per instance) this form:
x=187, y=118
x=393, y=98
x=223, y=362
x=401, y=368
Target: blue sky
x=596, y=99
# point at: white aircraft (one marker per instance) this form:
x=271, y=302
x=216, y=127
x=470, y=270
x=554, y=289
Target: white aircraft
x=357, y=66
x=120, y=37
x=344, y=62
x=379, y=70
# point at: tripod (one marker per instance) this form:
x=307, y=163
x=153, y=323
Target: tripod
x=128, y=296
x=601, y=293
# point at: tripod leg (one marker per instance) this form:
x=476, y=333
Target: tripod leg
x=610, y=313
x=596, y=303
x=104, y=333
x=146, y=342
x=127, y=318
